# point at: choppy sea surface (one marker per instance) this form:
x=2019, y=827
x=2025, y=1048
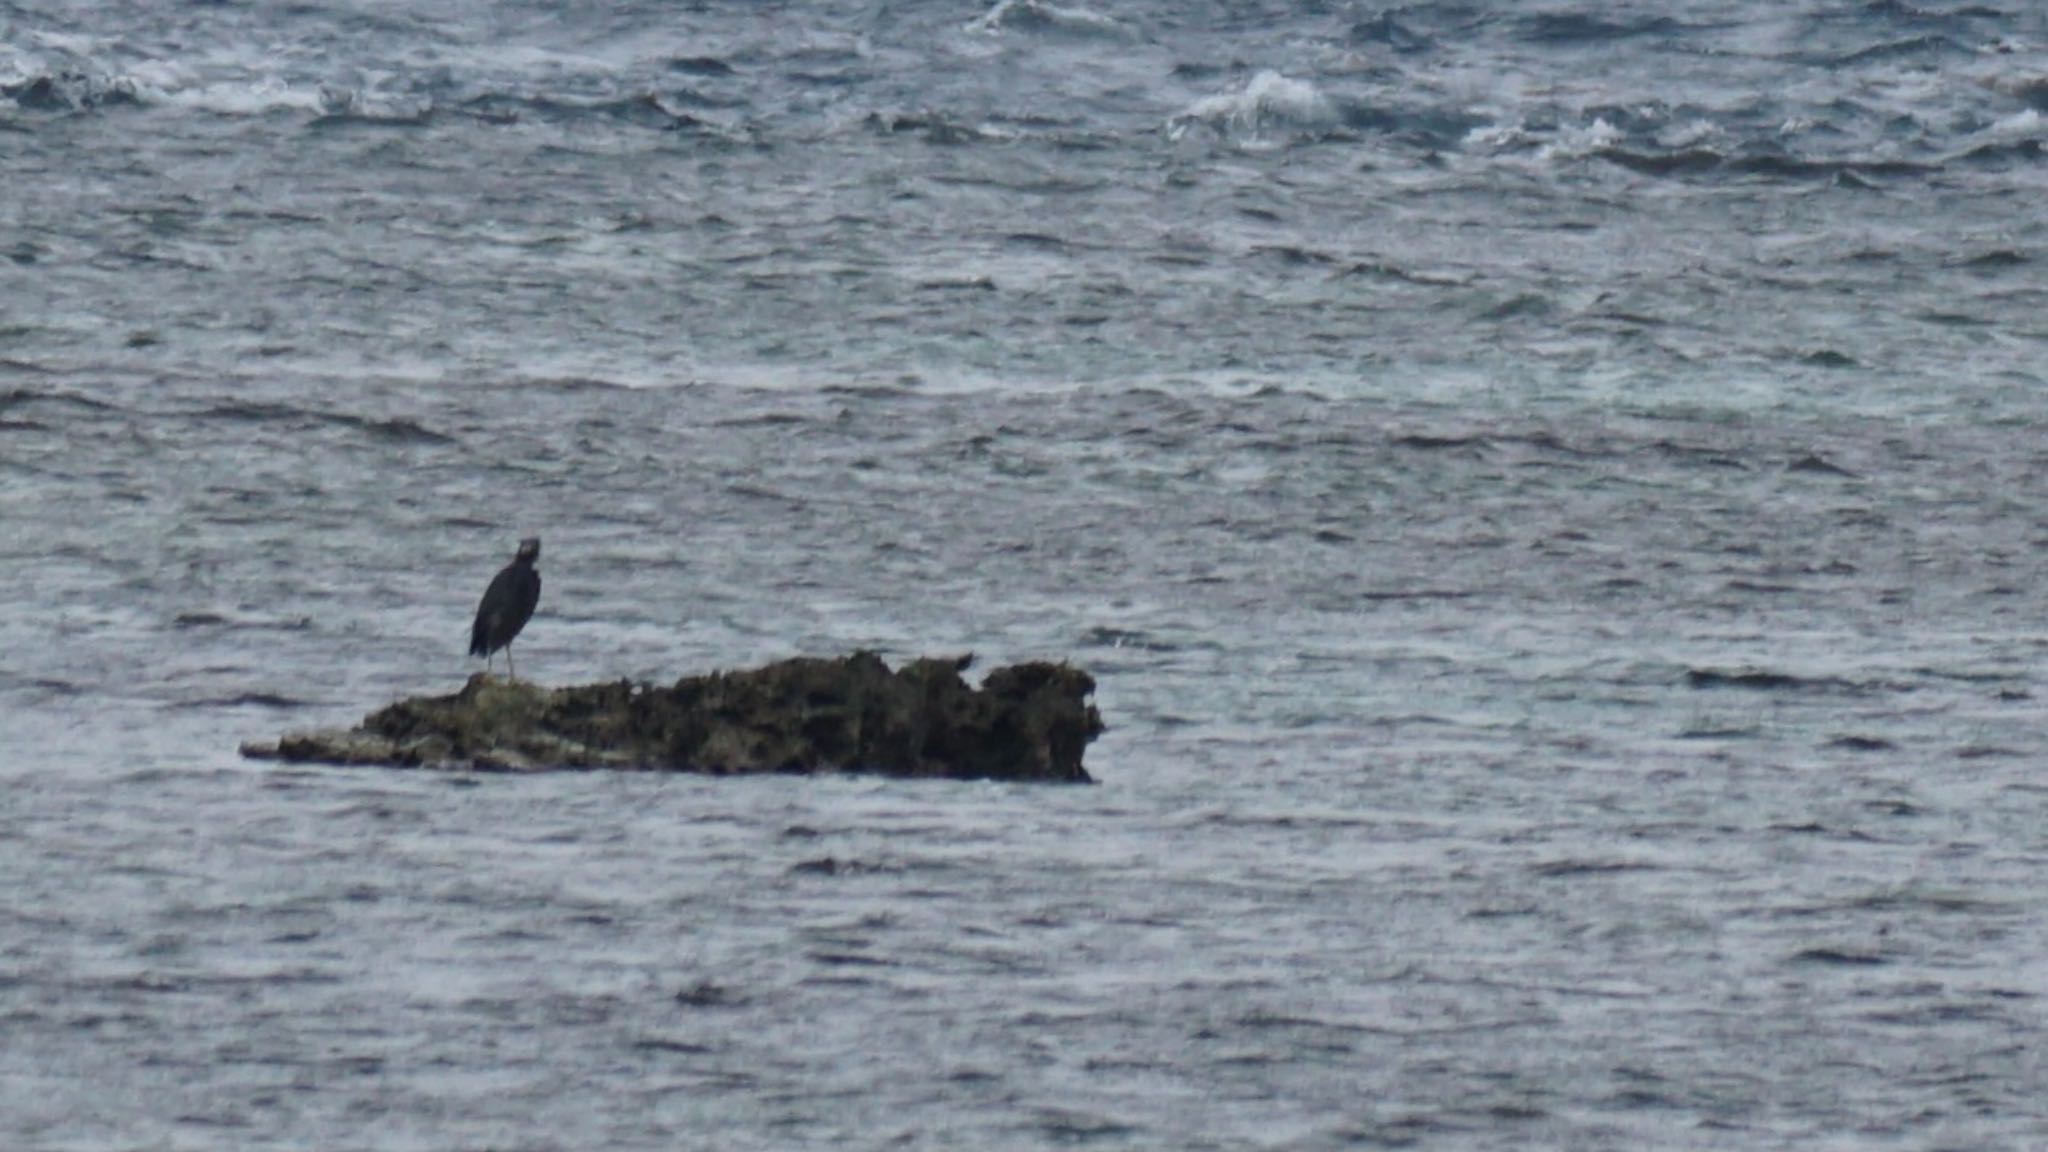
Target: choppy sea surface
x=1551, y=494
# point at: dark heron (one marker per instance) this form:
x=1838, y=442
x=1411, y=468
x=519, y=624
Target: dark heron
x=508, y=605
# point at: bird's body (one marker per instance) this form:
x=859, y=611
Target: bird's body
x=507, y=605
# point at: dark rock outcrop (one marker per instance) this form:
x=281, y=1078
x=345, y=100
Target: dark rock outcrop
x=853, y=714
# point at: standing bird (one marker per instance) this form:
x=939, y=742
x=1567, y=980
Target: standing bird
x=508, y=605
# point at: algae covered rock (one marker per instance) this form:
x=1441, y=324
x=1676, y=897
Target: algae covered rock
x=852, y=714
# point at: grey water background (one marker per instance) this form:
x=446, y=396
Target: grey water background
x=1551, y=495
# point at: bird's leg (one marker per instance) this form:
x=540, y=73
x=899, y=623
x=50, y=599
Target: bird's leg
x=511, y=669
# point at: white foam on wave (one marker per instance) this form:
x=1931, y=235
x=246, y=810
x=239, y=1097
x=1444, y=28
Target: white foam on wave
x=1268, y=100
x=1038, y=14
x=1564, y=142
x=228, y=77
x=86, y=72
x=1495, y=137
x=2026, y=124
x=16, y=66
x=1692, y=134
x=255, y=97
x=1574, y=140
x=46, y=54
x=68, y=62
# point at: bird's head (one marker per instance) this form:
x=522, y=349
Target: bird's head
x=529, y=549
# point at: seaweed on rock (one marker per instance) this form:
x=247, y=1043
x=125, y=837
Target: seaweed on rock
x=805, y=715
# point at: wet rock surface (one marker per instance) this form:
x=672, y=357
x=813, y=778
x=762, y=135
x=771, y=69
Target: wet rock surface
x=806, y=715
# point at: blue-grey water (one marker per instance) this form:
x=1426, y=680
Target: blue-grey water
x=1552, y=494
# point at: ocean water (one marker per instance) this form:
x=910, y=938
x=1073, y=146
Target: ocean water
x=1551, y=495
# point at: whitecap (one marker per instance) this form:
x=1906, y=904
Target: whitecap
x=1037, y=15
x=1563, y=142
x=2025, y=124
x=1495, y=137
x=1692, y=134
x=248, y=97
x=1268, y=100
x=1572, y=141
